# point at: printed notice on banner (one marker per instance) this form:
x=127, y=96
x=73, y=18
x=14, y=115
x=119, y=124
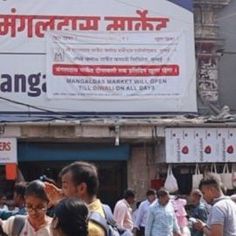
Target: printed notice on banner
x=115, y=66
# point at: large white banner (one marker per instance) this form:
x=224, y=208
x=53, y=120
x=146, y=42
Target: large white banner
x=117, y=56
x=8, y=150
x=199, y=145
x=113, y=66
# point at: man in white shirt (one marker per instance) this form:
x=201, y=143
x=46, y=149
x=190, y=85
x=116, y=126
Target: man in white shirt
x=123, y=211
x=140, y=223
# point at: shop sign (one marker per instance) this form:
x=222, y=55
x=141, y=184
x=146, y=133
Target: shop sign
x=191, y=145
x=8, y=150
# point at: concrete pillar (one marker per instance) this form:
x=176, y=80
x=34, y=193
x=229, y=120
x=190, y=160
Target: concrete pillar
x=141, y=169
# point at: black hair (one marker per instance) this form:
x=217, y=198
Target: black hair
x=129, y=193
x=20, y=189
x=72, y=216
x=210, y=180
x=36, y=188
x=162, y=192
x=151, y=192
x=197, y=192
x=83, y=172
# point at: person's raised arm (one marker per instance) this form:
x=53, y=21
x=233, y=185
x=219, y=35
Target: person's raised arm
x=54, y=193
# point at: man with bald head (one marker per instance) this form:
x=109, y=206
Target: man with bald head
x=199, y=211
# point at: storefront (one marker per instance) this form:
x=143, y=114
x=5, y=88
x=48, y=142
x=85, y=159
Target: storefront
x=140, y=160
x=48, y=158
x=193, y=151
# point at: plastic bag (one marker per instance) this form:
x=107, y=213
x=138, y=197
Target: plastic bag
x=196, y=178
x=171, y=183
x=226, y=178
x=215, y=173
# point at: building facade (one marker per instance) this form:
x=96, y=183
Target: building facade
x=129, y=150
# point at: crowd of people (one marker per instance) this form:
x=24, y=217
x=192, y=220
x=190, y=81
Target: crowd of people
x=43, y=209
x=212, y=213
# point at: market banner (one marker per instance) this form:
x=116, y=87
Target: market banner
x=115, y=66
x=97, y=56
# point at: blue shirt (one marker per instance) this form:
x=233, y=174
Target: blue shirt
x=161, y=220
x=5, y=214
x=199, y=212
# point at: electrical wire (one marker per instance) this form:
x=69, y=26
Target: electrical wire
x=34, y=107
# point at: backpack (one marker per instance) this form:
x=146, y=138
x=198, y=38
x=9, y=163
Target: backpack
x=18, y=224
x=108, y=223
